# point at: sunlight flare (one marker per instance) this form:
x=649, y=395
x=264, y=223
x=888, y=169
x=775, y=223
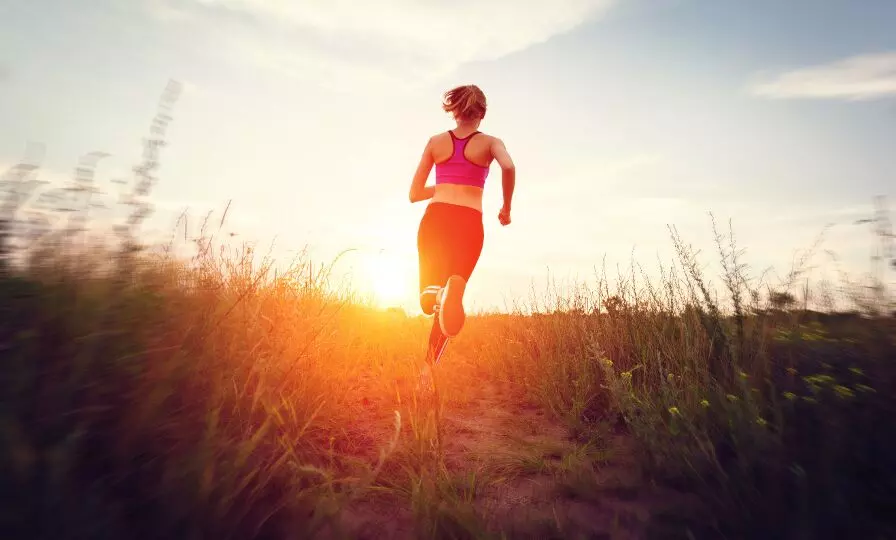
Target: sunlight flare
x=389, y=279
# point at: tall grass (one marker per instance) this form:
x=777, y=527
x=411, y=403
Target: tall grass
x=773, y=416
x=148, y=395
x=225, y=397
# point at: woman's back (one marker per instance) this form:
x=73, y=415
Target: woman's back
x=462, y=159
x=477, y=149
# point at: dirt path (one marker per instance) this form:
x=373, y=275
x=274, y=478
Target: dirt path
x=520, y=474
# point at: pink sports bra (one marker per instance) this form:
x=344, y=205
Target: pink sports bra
x=458, y=169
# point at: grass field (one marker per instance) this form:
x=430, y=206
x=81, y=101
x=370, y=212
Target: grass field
x=145, y=396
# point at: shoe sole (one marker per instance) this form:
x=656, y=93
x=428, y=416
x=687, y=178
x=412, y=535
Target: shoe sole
x=451, y=313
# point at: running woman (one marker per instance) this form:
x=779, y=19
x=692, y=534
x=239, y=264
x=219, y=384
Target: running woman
x=450, y=236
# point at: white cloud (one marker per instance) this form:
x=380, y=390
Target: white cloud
x=166, y=10
x=868, y=76
x=346, y=42
x=463, y=30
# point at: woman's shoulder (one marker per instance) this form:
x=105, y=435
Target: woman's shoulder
x=488, y=138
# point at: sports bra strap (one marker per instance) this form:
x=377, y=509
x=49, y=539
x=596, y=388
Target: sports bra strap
x=467, y=138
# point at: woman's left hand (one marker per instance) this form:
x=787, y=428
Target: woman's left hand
x=504, y=216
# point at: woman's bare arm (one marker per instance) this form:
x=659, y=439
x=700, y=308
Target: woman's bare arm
x=508, y=170
x=419, y=190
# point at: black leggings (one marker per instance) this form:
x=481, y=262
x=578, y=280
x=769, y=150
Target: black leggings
x=449, y=242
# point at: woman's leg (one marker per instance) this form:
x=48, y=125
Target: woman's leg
x=431, y=258
x=466, y=247
x=449, y=242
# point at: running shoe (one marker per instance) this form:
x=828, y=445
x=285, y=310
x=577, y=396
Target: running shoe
x=429, y=299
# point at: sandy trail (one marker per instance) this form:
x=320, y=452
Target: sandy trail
x=523, y=475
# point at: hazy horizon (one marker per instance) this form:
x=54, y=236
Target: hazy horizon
x=623, y=117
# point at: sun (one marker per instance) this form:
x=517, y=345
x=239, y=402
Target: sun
x=388, y=277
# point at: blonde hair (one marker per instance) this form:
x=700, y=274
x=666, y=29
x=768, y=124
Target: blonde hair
x=465, y=102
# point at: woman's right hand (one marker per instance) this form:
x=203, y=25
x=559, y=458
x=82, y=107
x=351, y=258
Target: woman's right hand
x=504, y=216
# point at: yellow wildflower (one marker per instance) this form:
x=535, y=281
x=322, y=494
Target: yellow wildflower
x=843, y=391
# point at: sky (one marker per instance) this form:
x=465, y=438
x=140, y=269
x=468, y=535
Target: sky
x=624, y=117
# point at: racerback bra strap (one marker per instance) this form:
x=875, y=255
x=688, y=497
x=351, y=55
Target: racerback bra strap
x=467, y=138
